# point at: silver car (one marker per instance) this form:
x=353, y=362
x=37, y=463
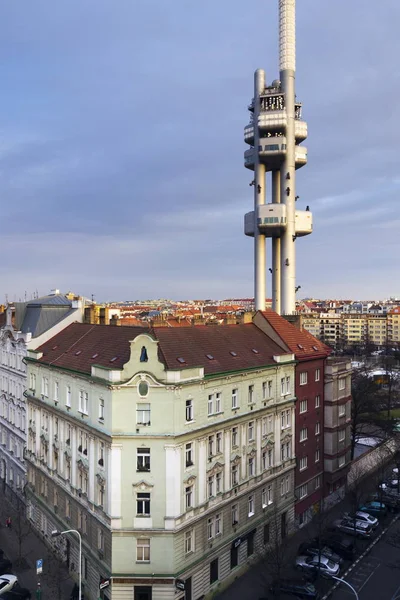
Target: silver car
x=363, y=516
x=357, y=528
x=311, y=563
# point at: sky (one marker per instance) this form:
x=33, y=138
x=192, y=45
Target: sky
x=121, y=146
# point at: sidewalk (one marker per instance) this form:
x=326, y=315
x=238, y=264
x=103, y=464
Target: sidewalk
x=253, y=584
x=55, y=581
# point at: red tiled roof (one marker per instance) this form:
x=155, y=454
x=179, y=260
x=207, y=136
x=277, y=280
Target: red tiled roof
x=193, y=344
x=302, y=343
x=82, y=345
x=229, y=347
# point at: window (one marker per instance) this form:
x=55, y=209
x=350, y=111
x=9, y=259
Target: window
x=143, y=550
x=143, y=459
x=317, y=428
x=317, y=401
x=234, y=437
x=282, y=452
x=266, y=535
x=264, y=497
x=68, y=509
x=210, y=528
x=303, y=491
x=269, y=494
x=270, y=458
x=342, y=435
x=288, y=385
x=189, y=410
x=303, y=378
x=303, y=434
x=303, y=406
x=264, y=390
x=342, y=461
x=83, y=402
x=317, y=374
x=210, y=445
x=56, y=388
x=251, y=394
x=283, y=386
x=143, y=414
x=210, y=405
x=251, y=431
x=189, y=541
x=303, y=463
x=211, y=486
x=235, y=398
x=214, y=571
x=45, y=387
x=270, y=424
x=234, y=475
x=251, y=466
x=189, y=454
x=218, y=482
x=189, y=496
x=68, y=396
x=282, y=487
x=317, y=455
x=101, y=455
x=264, y=460
x=342, y=410
x=218, y=439
x=235, y=514
x=251, y=505
x=342, y=383
x=318, y=482
x=218, y=524
x=101, y=409
x=218, y=402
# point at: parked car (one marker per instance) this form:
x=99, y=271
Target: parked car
x=388, y=484
x=339, y=543
x=319, y=550
x=7, y=582
x=5, y=568
x=356, y=528
x=364, y=517
x=376, y=509
x=315, y=563
x=295, y=587
x=391, y=501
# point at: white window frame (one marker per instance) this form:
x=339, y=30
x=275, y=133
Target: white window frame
x=250, y=431
x=210, y=405
x=303, y=434
x=218, y=403
x=303, y=406
x=189, y=541
x=251, y=464
x=235, y=398
x=303, y=491
x=143, y=549
x=318, y=428
x=303, y=463
x=250, y=397
x=303, y=378
x=282, y=386
x=264, y=501
x=250, y=505
x=189, y=412
x=235, y=437
x=101, y=409
x=142, y=413
x=317, y=374
x=317, y=401
x=342, y=383
x=287, y=384
x=235, y=514
x=317, y=455
x=342, y=410
x=341, y=435
x=341, y=461
x=189, y=496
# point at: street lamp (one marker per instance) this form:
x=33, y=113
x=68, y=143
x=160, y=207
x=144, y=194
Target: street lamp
x=56, y=533
x=346, y=583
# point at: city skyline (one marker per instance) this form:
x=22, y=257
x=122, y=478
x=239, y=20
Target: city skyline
x=122, y=147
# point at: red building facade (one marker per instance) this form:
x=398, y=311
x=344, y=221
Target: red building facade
x=311, y=356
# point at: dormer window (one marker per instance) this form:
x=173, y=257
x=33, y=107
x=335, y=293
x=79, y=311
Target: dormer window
x=254, y=350
x=209, y=356
x=143, y=355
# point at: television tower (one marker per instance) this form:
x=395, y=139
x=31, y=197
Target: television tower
x=274, y=134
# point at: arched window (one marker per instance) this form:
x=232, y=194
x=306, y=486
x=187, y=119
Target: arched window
x=143, y=355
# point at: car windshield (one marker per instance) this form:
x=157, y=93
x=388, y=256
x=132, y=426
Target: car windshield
x=331, y=564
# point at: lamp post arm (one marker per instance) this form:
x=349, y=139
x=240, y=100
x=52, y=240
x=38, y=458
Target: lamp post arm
x=346, y=583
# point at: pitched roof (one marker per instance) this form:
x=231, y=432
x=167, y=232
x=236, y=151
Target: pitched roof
x=300, y=341
x=217, y=349
x=82, y=345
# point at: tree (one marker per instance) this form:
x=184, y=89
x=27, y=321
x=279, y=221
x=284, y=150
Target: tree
x=56, y=576
x=364, y=408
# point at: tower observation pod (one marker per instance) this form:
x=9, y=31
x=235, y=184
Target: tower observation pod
x=274, y=134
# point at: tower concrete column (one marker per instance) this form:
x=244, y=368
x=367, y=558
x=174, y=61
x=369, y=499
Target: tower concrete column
x=287, y=67
x=259, y=199
x=276, y=249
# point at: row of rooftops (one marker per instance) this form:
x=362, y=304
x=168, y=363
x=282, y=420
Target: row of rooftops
x=226, y=348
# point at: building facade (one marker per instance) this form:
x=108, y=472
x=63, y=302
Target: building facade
x=337, y=433
x=171, y=451
x=27, y=324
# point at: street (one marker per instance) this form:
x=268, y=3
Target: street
x=377, y=576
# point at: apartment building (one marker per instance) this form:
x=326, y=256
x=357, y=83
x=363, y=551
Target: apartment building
x=170, y=450
x=337, y=431
x=311, y=355
x=27, y=324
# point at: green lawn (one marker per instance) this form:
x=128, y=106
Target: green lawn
x=394, y=413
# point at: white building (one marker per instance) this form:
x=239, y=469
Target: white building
x=28, y=324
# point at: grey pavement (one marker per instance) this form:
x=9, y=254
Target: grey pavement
x=56, y=583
